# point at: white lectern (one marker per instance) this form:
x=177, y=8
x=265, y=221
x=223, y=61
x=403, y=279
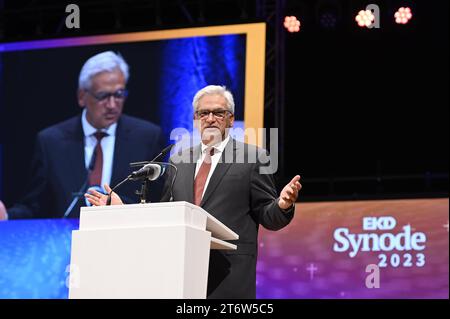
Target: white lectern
x=158, y=250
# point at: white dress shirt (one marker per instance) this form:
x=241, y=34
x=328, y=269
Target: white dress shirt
x=218, y=149
x=107, y=144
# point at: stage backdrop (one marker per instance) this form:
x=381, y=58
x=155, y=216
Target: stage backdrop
x=39, y=80
x=366, y=249
x=337, y=249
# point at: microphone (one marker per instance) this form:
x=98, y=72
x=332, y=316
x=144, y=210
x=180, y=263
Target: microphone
x=150, y=171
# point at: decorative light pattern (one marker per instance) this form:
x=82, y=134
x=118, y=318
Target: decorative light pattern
x=292, y=24
x=365, y=18
x=403, y=15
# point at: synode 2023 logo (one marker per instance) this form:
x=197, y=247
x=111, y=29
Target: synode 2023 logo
x=405, y=243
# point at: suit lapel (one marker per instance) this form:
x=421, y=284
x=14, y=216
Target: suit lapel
x=74, y=153
x=121, y=148
x=220, y=170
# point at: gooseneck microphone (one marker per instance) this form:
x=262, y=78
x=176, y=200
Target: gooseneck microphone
x=150, y=171
x=163, y=153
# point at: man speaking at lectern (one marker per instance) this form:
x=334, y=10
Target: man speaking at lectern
x=211, y=175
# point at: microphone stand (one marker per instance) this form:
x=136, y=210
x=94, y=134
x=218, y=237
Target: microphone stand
x=145, y=183
x=77, y=195
x=143, y=193
x=136, y=164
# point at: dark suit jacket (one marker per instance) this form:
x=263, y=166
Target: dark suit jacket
x=58, y=168
x=241, y=198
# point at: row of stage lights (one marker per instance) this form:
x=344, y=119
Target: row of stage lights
x=364, y=19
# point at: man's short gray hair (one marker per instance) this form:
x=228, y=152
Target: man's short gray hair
x=214, y=89
x=103, y=62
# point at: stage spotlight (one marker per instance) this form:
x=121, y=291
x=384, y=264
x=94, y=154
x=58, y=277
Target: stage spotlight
x=328, y=20
x=292, y=24
x=365, y=18
x=403, y=15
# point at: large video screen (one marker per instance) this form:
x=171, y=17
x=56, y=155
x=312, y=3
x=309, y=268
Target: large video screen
x=39, y=81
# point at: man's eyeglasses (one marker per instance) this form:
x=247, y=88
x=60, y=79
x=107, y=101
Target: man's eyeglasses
x=218, y=114
x=105, y=96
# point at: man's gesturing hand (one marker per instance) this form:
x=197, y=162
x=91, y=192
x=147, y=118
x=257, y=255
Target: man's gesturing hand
x=289, y=193
x=99, y=199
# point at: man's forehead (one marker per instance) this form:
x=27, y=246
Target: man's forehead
x=104, y=79
x=212, y=100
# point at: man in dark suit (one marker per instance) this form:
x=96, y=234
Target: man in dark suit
x=226, y=178
x=88, y=150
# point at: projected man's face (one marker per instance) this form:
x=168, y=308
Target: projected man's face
x=213, y=118
x=104, y=100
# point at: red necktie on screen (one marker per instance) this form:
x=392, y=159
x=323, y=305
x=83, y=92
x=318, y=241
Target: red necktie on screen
x=95, y=178
x=202, y=175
